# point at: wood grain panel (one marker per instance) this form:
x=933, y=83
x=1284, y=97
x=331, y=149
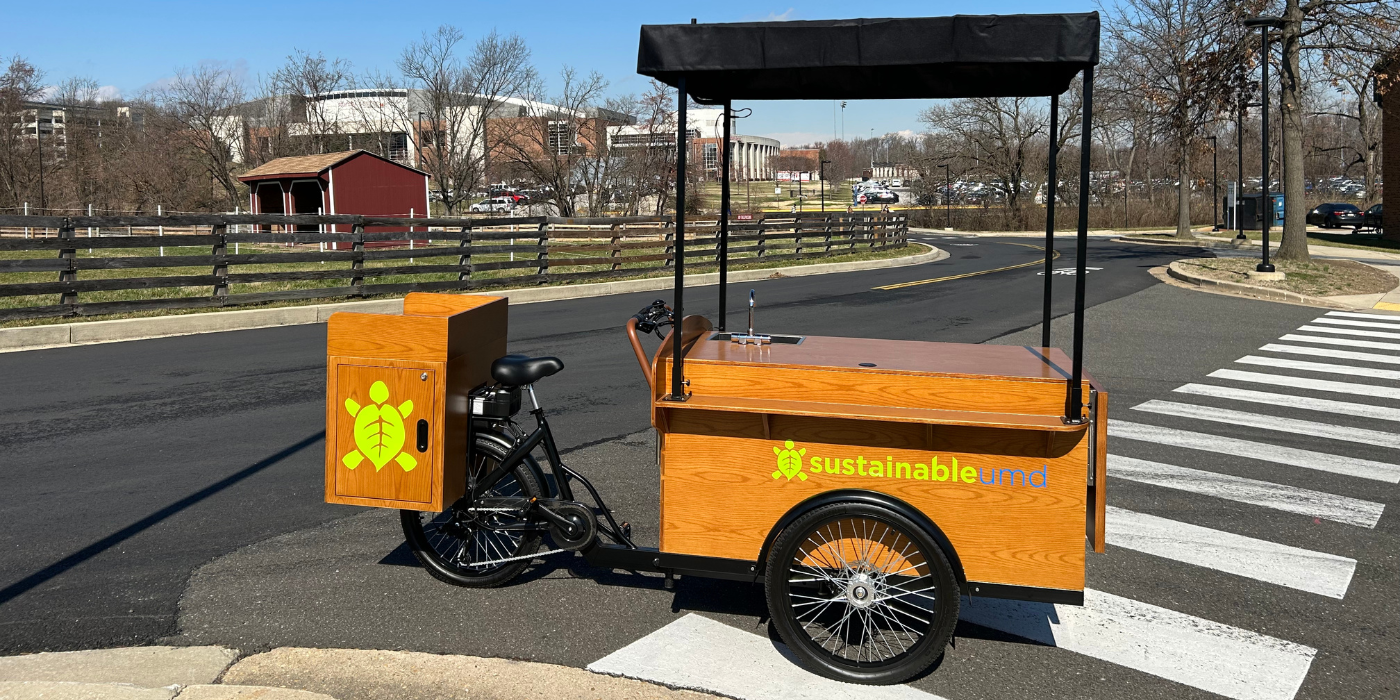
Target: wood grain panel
x=381, y=336
x=896, y=414
x=911, y=356
x=417, y=482
x=873, y=388
x=426, y=304
x=721, y=498
x=1098, y=493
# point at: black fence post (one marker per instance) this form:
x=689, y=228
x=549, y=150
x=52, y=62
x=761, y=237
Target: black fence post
x=220, y=252
x=826, y=234
x=357, y=262
x=543, y=241
x=68, y=298
x=668, y=236
x=464, y=246
x=797, y=236
x=762, y=241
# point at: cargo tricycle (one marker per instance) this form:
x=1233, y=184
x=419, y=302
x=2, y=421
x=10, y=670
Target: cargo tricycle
x=867, y=484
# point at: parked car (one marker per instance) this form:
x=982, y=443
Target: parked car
x=494, y=204
x=1372, y=219
x=1335, y=215
x=896, y=183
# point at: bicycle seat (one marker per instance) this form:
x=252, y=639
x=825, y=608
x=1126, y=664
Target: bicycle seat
x=519, y=370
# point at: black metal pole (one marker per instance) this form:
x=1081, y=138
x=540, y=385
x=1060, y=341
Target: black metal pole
x=948, y=194
x=724, y=224
x=1214, y=183
x=1050, y=217
x=1074, y=396
x=678, y=304
x=1266, y=200
x=1239, y=164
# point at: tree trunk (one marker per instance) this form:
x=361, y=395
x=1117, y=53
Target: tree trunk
x=1295, y=234
x=1183, y=190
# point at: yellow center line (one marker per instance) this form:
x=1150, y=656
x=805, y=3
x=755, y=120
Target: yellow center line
x=902, y=285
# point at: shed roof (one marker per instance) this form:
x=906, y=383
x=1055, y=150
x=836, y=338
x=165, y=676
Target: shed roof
x=920, y=57
x=309, y=166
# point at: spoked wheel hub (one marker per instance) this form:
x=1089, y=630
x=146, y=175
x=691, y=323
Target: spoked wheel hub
x=861, y=593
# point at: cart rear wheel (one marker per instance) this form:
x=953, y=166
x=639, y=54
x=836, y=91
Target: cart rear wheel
x=861, y=594
x=454, y=545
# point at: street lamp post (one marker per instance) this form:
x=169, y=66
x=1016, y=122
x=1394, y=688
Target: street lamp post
x=822, y=175
x=1266, y=200
x=1214, y=184
x=948, y=193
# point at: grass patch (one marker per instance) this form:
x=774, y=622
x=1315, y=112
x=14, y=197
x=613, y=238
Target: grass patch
x=1318, y=279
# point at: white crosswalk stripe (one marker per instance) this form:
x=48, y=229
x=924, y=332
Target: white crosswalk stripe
x=1349, y=408
x=1354, y=314
x=1290, y=499
x=735, y=663
x=1291, y=567
x=1347, y=342
x=1337, y=330
x=1323, y=367
x=1328, y=352
x=1214, y=657
x=1359, y=324
x=1292, y=456
x=1259, y=420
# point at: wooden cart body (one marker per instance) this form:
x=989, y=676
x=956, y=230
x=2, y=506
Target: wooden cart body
x=426, y=360
x=970, y=436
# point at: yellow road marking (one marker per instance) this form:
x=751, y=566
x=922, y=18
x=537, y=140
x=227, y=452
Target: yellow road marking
x=965, y=275
x=1386, y=306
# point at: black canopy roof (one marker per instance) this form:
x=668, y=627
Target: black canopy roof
x=920, y=57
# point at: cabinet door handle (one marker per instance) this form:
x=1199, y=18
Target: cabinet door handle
x=422, y=435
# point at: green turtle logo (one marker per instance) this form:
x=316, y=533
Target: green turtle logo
x=379, y=431
x=789, y=461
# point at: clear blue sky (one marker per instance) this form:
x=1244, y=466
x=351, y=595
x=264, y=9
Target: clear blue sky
x=131, y=45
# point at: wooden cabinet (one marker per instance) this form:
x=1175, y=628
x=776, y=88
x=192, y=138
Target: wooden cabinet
x=396, y=398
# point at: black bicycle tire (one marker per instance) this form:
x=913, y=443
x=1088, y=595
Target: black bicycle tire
x=432, y=560
x=819, y=660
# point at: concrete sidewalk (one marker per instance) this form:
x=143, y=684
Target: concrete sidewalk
x=288, y=673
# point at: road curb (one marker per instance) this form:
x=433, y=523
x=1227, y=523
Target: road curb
x=1176, y=242
x=119, y=330
x=366, y=674
x=1248, y=290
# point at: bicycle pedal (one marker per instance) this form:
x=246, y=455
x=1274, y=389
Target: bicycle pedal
x=626, y=529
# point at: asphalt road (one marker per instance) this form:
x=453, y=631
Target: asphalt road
x=129, y=466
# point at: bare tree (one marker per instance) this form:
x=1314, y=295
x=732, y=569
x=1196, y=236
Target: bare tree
x=306, y=80
x=449, y=101
x=1004, y=135
x=554, y=135
x=202, y=104
x=1177, y=57
x=1369, y=28
x=20, y=82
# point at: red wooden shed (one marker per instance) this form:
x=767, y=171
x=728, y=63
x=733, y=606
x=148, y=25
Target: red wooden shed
x=347, y=182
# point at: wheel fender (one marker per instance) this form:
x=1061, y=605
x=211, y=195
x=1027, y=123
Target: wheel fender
x=506, y=445
x=871, y=498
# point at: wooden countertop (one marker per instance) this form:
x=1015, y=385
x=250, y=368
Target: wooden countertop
x=897, y=356
x=901, y=372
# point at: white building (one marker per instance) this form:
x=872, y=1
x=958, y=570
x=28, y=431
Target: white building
x=705, y=128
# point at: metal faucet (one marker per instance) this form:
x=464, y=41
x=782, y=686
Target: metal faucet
x=752, y=296
x=751, y=338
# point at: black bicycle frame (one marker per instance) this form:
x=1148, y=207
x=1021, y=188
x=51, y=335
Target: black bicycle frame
x=522, y=450
x=562, y=474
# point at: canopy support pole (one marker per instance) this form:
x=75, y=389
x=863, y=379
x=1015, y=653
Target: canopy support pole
x=678, y=304
x=724, y=223
x=1074, y=394
x=1050, y=216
